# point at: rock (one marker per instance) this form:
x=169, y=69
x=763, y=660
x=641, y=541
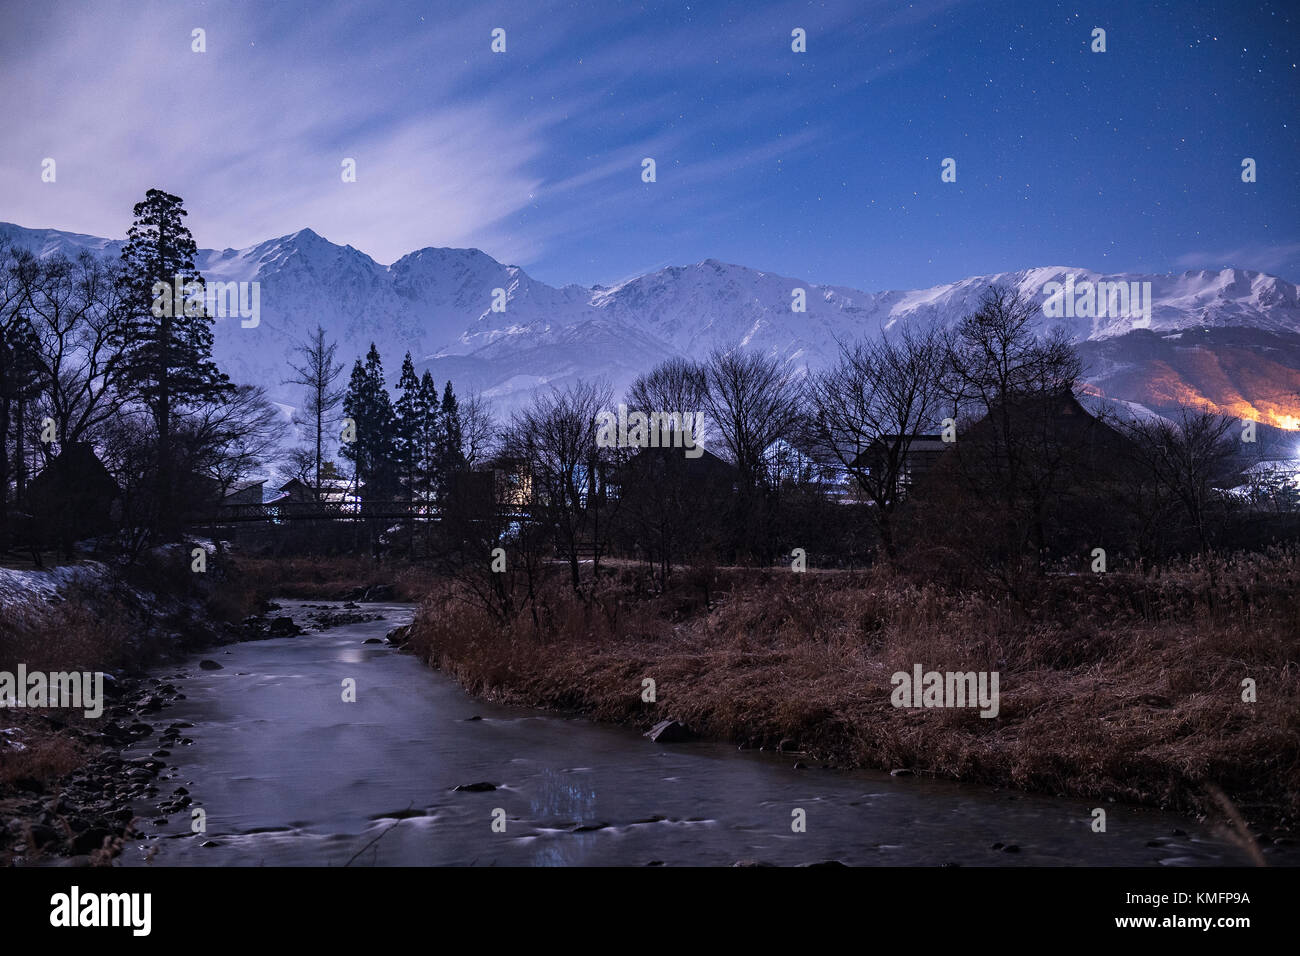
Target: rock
x=283, y=627
x=475, y=717
x=823, y=863
x=800, y=765
x=90, y=840
x=43, y=835
x=399, y=635
x=482, y=787
x=669, y=732
x=1011, y=848
x=210, y=666
x=380, y=592
x=787, y=745
x=901, y=772
x=372, y=640
x=752, y=863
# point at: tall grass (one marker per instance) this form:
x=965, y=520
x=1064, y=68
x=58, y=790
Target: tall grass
x=1111, y=685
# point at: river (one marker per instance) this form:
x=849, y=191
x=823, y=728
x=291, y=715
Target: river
x=288, y=773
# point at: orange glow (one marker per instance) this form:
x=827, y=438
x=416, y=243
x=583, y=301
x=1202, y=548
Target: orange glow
x=1163, y=386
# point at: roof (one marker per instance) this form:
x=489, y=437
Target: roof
x=1283, y=466
x=917, y=445
x=77, y=468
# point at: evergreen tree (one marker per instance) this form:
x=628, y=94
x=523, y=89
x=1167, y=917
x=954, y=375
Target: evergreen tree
x=368, y=405
x=18, y=380
x=408, y=426
x=429, y=472
x=166, y=344
x=452, y=457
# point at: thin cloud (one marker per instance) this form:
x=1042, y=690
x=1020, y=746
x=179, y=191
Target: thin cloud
x=1262, y=257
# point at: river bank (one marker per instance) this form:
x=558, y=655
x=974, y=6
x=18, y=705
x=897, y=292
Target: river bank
x=65, y=790
x=411, y=770
x=1111, y=689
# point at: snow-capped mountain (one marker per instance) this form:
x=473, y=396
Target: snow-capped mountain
x=438, y=304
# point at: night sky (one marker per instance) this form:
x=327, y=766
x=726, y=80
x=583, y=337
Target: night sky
x=822, y=165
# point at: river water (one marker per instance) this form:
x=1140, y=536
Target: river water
x=288, y=773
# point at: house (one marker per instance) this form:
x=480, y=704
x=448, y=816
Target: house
x=74, y=496
x=249, y=493
x=252, y=499
x=920, y=455
x=669, y=471
x=334, y=495
x=1276, y=481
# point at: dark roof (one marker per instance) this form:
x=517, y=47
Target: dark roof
x=75, y=468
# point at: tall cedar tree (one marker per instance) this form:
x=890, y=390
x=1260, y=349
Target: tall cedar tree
x=18, y=379
x=166, y=358
x=451, y=457
x=368, y=405
x=429, y=473
x=408, y=425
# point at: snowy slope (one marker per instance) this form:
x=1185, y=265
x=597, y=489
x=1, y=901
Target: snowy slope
x=437, y=303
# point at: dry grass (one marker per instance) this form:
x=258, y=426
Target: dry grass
x=1110, y=686
x=46, y=757
x=73, y=635
x=83, y=631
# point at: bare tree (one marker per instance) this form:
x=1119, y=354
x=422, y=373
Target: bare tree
x=753, y=400
x=318, y=373
x=555, y=438
x=867, y=410
x=676, y=385
x=665, y=497
x=1187, y=457
x=479, y=429
x=998, y=368
x=76, y=311
x=228, y=441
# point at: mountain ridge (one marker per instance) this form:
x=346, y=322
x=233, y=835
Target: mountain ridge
x=437, y=302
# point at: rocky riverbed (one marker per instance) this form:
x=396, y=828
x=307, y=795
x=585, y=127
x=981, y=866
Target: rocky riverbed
x=86, y=816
